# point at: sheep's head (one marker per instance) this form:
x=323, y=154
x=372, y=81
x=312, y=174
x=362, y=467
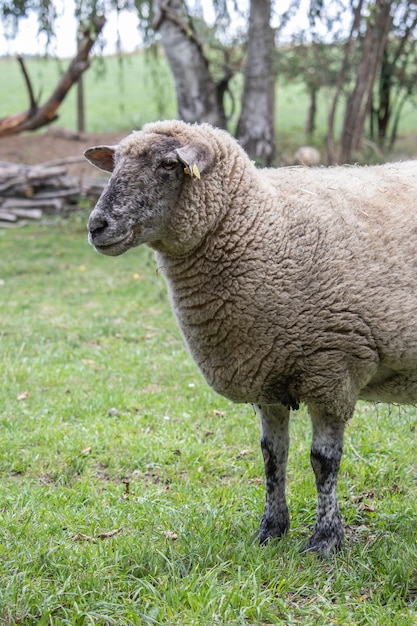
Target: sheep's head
x=151, y=171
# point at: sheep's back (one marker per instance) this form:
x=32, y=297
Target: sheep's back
x=320, y=277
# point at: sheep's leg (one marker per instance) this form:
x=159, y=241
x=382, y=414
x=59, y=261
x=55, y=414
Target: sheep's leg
x=326, y=452
x=274, y=444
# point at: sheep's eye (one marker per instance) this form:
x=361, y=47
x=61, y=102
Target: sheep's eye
x=169, y=164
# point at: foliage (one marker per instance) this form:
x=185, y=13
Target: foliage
x=14, y=10
x=106, y=425
x=377, y=50
x=398, y=76
x=315, y=64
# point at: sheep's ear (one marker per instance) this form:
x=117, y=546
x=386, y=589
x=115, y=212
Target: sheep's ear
x=196, y=159
x=102, y=157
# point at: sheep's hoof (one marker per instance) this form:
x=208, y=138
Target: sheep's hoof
x=271, y=529
x=325, y=544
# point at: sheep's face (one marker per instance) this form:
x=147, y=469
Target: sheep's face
x=138, y=204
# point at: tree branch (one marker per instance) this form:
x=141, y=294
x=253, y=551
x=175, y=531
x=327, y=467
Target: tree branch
x=37, y=116
x=33, y=103
x=197, y=92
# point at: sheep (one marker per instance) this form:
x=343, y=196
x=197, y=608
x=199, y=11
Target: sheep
x=308, y=156
x=291, y=285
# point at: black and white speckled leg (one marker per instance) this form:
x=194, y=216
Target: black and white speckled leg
x=274, y=445
x=326, y=452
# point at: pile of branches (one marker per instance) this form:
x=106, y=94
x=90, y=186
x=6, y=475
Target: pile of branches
x=27, y=192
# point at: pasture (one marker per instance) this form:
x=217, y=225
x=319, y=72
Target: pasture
x=131, y=494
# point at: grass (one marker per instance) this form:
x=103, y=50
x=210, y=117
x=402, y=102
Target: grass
x=106, y=425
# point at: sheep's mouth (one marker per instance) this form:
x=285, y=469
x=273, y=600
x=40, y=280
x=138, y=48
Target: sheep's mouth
x=113, y=248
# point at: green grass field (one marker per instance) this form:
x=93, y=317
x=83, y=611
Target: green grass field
x=130, y=493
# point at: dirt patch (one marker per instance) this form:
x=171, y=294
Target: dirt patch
x=58, y=143
x=55, y=144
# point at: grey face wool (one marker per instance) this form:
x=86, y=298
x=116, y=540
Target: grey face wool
x=289, y=285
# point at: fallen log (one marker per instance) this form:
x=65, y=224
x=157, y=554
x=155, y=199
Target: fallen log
x=8, y=217
x=48, y=205
x=31, y=214
x=27, y=192
x=39, y=172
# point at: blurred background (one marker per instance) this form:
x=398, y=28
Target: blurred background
x=337, y=77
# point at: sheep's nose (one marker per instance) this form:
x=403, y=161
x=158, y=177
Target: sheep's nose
x=97, y=224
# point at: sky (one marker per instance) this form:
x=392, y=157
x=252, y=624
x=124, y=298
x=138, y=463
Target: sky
x=28, y=41
x=64, y=44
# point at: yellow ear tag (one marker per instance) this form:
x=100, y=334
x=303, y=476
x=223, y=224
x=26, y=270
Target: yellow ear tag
x=195, y=173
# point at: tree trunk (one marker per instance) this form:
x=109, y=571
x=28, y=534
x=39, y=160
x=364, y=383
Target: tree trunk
x=383, y=113
x=199, y=97
x=390, y=71
x=396, y=122
x=312, y=110
x=359, y=101
x=80, y=92
x=340, y=81
x=256, y=126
